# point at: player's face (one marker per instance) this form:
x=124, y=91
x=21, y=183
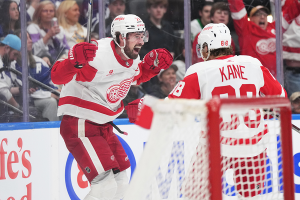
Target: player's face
x=260, y=18
x=116, y=8
x=168, y=77
x=205, y=14
x=73, y=14
x=157, y=11
x=134, y=43
x=220, y=16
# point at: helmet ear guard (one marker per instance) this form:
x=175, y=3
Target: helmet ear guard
x=216, y=36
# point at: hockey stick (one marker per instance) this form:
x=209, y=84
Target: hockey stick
x=294, y=127
x=89, y=22
x=14, y=108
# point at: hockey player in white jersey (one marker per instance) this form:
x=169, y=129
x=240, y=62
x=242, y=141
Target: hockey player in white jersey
x=226, y=76
x=96, y=79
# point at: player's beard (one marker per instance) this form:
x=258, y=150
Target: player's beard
x=130, y=53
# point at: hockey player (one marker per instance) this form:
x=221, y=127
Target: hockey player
x=96, y=78
x=225, y=75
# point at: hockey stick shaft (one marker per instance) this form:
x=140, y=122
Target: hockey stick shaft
x=89, y=22
x=296, y=128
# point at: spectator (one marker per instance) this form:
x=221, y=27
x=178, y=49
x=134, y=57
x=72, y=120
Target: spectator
x=95, y=19
x=257, y=36
x=161, y=33
x=10, y=48
x=44, y=101
x=68, y=16
x=116, y=7
x=9, y=18
x=198, y=24
x=179, y=60
x=167, y=82
x=219, y=13
x=295, y=102
x=31, y=7
x=48, y=38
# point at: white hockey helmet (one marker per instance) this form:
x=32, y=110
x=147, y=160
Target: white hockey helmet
x=127, y=24
x=216, y=36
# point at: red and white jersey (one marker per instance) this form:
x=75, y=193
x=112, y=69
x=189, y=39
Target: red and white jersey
x=291, y=41
x=95, y=92
x=232, y=76
x=253, y=40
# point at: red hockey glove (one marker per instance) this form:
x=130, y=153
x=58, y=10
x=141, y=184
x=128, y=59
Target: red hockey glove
x=132, y=109
x=157, y=59
x=81, y=53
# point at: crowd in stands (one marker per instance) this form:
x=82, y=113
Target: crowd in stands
x=53, y=26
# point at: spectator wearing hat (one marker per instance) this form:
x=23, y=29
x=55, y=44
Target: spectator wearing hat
x=167, y=82
x=48, y=38
x=295, y=102
x=43, y=100
x=204, y=18
x=10, y=48
x=257, y=36
x=9, y=18
x=68, y=16
x=116, y=7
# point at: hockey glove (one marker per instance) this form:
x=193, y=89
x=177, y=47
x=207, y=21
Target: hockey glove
x=132, y=109
x=81, y=53
x=157, y=59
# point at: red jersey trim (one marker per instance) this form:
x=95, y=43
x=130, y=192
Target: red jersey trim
x=88, y=105
x=291, y=49
x=224, y=57
x=119, y=59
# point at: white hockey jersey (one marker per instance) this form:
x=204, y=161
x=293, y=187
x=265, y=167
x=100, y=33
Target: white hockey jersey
x=95, y=92
x=233, y=76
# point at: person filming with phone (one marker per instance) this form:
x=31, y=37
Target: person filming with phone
x=49, y=40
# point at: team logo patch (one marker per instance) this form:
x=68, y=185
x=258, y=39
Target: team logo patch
x=266, y=46
x=118, y=91
x=126, y=159
x=112, y=157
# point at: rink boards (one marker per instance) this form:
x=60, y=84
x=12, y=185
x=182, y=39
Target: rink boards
x=35, y=164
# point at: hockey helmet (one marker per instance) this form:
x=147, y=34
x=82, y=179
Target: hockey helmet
x=215, y=36
x=128, y=24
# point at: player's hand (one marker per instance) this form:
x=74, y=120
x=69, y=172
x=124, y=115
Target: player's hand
x=81, y=53
x=132, y=109
x=158, y=59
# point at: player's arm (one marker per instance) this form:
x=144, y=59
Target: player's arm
x=188, y=88
x=271, y=85
x=76, y=63
x=153, y=62
x=239, y=16
x=290, y=11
